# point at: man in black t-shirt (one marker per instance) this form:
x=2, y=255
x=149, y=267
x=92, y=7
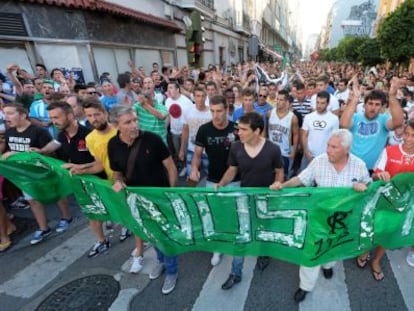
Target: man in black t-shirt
x=259, y=163
x=153, y=167
x=20, y=136
x=215, y=138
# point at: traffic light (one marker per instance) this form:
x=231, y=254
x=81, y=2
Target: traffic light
x=194, y=36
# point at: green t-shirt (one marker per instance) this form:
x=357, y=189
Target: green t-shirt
x=151, y=123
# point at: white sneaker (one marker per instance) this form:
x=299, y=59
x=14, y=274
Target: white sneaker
x=183, y=172
x=215, y=260
x=137, y=263
x=410, y=258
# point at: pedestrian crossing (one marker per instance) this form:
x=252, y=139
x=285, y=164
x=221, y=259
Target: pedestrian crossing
x=199, y=285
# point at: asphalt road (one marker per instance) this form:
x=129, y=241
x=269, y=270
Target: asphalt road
x=29, y=274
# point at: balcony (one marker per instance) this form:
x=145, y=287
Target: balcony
x=203, y=6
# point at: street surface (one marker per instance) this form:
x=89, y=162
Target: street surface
x=29, y=274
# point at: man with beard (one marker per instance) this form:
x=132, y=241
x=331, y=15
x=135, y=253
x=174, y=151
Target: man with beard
x=96, y=142
x=153, y=166
x=20, y=136
x=38, y=110
x=72, y=145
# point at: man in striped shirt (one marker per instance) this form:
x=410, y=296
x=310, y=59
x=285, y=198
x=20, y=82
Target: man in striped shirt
x=152, y=115
x=38, y=110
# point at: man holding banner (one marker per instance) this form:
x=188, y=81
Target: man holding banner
x=215, y=138
x=259, y=163
x=20, y=136
x=335, y=168
x=141, y=159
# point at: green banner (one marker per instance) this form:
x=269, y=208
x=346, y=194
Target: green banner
x=307, y=226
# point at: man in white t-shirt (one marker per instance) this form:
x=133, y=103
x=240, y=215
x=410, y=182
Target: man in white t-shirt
x=322, y=83
x=342, y=92
x=316, y=129
x=176, y=104
x=196, y=116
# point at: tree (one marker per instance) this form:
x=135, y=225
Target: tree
x=369, y=52
x=347, y=49
x=396, y=33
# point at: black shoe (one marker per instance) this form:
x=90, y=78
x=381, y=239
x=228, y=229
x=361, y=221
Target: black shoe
x=300, y=295
x=263, y=262
x=327, y=273
x=233, y=279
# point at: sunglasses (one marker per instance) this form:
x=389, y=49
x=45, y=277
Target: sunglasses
x=261, y=95
x=91, y=93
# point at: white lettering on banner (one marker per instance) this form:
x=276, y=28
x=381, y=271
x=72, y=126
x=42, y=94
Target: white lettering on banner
x=401, y=201
x=299, y=218
x=242, y=209
x=96, y=205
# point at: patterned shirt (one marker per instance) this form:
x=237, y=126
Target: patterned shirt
x=38, y=110
x=149, y=122
x=322, y=173
x=395, y=160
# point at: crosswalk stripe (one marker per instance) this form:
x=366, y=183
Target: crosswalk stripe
x=122, y=301
x=233, y=299
x=332, y=292
x=39, y=273
x=404, y=275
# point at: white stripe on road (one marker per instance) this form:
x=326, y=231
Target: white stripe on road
x=34, y=277
x=212, y=297
x=124, y=298
x=403, y=274
x=333, y=293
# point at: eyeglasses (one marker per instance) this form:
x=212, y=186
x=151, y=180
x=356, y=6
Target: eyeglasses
x=261, y=95
x=91, y=93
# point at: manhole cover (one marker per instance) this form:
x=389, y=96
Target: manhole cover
x=96, y=292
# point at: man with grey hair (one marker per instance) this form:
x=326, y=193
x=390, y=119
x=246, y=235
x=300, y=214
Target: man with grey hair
x=335, y=168
x=141, y=159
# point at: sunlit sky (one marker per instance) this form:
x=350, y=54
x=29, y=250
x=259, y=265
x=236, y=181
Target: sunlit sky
x=313, y=15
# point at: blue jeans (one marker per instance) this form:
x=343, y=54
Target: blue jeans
x=203, y=165
x=237, y=266
x=170, y=262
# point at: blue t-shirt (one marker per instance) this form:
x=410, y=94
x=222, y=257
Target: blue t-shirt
x=369, y=137
x=109, y=101
x=262, y=109
x=239, y=112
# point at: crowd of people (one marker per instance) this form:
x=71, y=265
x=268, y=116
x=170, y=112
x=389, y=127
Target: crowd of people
x=251, y=125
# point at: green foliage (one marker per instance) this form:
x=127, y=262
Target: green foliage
x=347, y=49
x=369, y=52
x=396, y=33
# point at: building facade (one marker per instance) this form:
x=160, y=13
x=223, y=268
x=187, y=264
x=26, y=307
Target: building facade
x=352, y=18
x=101, y=36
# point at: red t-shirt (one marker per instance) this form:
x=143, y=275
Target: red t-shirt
x=394, y=161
